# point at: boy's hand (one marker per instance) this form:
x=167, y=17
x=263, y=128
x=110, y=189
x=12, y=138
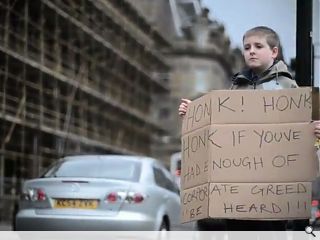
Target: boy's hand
x=317, y=129
x=317, y=133
x=184, y=106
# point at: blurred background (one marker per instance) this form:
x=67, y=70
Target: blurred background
x=107, y=76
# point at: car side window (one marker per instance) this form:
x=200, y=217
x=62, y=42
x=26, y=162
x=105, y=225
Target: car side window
x=159, y=177
x=164, y=182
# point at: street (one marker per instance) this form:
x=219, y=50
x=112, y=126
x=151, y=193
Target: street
x=181, y=227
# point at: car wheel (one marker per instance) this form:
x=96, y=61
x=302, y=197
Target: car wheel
x=164, y=226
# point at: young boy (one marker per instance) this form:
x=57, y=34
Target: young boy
x=264, y=71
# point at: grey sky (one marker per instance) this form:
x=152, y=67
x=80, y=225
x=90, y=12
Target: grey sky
x=241, y=15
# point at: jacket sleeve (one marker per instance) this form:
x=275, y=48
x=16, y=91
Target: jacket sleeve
x=287, y=82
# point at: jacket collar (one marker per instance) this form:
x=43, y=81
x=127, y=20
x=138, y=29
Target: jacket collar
x=247, y=76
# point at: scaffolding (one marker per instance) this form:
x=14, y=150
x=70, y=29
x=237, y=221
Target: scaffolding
x=76, y=76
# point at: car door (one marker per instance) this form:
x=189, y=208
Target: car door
x=171, y=194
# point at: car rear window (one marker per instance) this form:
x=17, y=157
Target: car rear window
x=111, y=168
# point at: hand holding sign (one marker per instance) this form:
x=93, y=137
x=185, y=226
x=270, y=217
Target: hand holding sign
x=183, y=106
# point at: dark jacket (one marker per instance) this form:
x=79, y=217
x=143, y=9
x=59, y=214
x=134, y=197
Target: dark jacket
x=276, y=77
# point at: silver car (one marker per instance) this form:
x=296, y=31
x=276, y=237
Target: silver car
x=106, y=192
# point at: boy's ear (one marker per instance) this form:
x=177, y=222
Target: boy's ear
x=275, y=52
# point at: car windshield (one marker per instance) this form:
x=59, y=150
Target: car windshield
x=109, y=168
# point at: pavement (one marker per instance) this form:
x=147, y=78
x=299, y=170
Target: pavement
x=5, y=227
x=181, y=227
x=185, y=227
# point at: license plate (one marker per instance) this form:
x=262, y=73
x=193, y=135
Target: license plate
x=76, y=203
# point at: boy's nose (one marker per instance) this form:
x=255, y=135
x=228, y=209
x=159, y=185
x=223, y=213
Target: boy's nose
x=252, y=51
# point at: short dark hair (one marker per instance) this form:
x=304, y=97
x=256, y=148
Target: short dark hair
x=271, y=36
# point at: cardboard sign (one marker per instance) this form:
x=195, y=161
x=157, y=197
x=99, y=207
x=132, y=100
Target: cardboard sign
x=247, y=106
x=195, y=203
x=260, y=201
x=247, y=201
x=249, y=153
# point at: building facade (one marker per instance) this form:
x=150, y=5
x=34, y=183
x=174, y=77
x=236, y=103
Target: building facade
x=76, y=77
x=200, y=58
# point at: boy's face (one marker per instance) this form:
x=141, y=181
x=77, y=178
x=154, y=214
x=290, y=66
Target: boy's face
x=257, y=53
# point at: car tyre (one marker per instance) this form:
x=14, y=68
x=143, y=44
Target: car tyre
x=164, y=226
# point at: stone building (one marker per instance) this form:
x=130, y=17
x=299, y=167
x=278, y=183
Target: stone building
x=200, y=58
x=76, y=77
